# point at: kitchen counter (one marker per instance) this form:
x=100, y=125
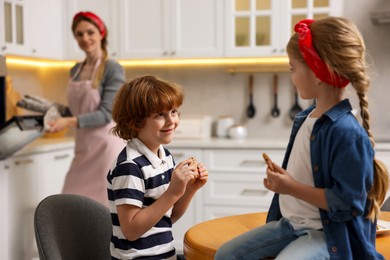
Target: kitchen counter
x=45, y=144
x=49, y=144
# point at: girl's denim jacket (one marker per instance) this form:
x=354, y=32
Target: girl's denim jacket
x=342, y=163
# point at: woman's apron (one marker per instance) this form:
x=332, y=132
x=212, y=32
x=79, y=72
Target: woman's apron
x=95, y=148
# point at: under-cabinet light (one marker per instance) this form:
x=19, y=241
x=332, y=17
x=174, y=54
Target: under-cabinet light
x=272, y=61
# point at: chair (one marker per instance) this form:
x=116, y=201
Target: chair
x=386, y=205
x=72, y=227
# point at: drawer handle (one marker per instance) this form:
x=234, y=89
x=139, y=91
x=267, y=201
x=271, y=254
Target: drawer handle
x=252, y=163
x=254, y=192
x=177, y=155
x=26, y=161
x=60, y=157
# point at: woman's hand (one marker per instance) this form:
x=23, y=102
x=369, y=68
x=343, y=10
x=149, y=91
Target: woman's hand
x=61, y=123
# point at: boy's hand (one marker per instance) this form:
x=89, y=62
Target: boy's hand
x=181, y=175
x=201, y=180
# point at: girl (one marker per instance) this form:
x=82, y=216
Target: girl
x=330, y=187
x=146, y=191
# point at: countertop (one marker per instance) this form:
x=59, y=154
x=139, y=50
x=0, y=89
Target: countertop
x=45, y=144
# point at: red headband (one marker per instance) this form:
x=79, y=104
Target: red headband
x=98, y=22
x=315, y=63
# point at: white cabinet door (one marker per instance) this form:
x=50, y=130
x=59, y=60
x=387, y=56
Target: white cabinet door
x=22, y=199
x=262, y=28
x=46, y=29
x=171, y=28
x=13, y=23
x=4, y=218
x=190, y=217
x=106, y=10
x=55, y=166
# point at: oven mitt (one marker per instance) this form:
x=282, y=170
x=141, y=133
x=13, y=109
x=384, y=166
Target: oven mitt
x=39, y=104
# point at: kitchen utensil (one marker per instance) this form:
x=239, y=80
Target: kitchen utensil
x=238, y=131
x=251, y=111
x=296, y=108
x=275, y=112
x=223, y=125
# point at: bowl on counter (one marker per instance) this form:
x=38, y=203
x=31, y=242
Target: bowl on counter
x=238, y=132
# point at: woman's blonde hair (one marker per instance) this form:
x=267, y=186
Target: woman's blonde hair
x=104, y=43
x=341, y=46
x=138, y=99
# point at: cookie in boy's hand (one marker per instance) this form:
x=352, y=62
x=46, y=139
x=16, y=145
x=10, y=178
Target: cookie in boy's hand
x=194, y=163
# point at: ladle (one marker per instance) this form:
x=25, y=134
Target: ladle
x=275, y=112
x=296, y=108
x=251, y=110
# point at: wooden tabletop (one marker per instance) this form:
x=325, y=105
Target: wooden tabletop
x=202, y=240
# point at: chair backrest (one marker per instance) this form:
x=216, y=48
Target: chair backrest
x=386, y=205
x=72, y=227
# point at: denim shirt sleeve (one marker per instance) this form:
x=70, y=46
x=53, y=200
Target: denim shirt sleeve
x=349, y=176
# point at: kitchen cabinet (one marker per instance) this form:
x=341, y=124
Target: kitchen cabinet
x=13, y=27
x=55, y=166
x=235, y=183
x=29, y=31
x=190, y=216
x=106, y=10
x=171, y=28
x=45, y=29
x=263, y=27
x=24, y=181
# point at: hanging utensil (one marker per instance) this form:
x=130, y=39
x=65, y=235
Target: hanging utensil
x=296, y=108
x=251, y=110
x=275, y=112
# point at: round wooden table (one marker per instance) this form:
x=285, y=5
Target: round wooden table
x=202, y=240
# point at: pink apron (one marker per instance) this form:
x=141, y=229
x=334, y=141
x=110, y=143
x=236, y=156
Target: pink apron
x=95, y=148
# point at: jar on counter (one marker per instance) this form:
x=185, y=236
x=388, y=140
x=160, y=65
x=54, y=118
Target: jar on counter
x=223, y=125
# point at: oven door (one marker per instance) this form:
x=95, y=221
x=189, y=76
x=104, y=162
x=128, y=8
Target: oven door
x=18, y=132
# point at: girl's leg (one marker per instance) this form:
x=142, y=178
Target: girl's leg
x=259, y=243
x=311, y=245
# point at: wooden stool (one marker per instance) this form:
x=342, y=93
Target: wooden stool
x=202, y=241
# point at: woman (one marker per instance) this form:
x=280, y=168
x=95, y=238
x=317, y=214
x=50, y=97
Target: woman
x=91, y=90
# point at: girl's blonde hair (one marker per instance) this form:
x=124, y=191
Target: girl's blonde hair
x=138, y=99
x=341, y=46
x=104, y=43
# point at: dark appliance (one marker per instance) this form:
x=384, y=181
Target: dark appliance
x=18, y=131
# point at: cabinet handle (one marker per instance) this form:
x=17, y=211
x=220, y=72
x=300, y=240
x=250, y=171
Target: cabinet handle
x=177, y=155
x=282, y=50
x=274, y=50
x=26, y=161
x=253, y=192
x=172, y=53
x=165, y=53
x=33, y=50
x=252, y=163
x=3, y=48
x=60, y=157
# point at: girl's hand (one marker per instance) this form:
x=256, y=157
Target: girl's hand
x=181, y=175
x=279, y=181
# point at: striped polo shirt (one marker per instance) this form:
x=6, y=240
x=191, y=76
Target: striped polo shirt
x=139, y=177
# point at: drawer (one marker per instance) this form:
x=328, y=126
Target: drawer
x=241, y=160
x=237, y=190
x=212, y=212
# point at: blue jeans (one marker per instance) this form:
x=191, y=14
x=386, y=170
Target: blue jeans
x=276, y=239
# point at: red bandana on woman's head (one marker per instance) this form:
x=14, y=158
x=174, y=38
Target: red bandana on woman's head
x=315, y=63
x=99, y=23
